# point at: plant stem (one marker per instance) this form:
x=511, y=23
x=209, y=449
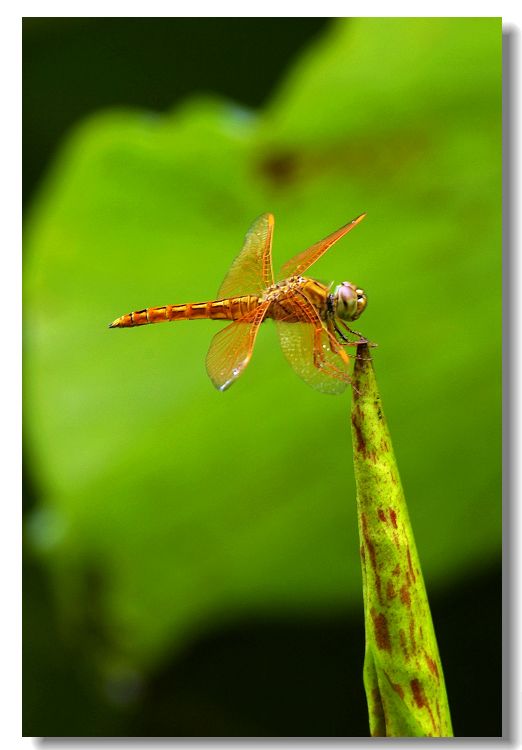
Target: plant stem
x=402, y=673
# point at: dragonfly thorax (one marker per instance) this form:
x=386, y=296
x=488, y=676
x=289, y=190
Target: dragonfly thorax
x=276, y=291
x=349, y=301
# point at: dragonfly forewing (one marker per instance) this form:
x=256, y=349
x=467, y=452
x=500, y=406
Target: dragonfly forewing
x=251, y=272
x=302, y=262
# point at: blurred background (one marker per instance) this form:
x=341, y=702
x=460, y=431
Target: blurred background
x=190, y=557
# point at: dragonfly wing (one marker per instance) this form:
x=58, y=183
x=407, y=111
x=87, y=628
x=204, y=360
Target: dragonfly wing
x=251, y=272
x=300, y=263
x=231, y=348
x=312, y=351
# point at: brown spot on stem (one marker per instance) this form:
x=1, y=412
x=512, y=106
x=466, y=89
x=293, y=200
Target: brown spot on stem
x=405, y=596
x=420, y=700
x=367, y=540
x=362, y=444
x=381, y=515
x=412, y=635
x=390, y=591
x=397, y=570
x=418, y=695
x=393, y=518
x=373, y=555
x=404, y=646
x=410, y=565
x=432, y=666
x=378, y=712
x=378, y=586
x=395, y=686
x=380, y=626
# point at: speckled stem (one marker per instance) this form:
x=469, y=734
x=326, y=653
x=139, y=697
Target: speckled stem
x=403, y=675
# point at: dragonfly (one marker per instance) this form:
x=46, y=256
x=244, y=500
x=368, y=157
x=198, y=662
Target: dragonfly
x=311, y=317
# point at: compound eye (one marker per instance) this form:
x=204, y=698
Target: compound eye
x=346, y=301
x=347, y=294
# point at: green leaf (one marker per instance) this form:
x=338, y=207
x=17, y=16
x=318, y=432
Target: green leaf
x=190, y=507
x=403, y=674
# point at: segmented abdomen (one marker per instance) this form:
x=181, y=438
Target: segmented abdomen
x=222, y=309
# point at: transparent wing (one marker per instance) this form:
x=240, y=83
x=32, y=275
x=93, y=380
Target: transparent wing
x=251, y=272
x=312, y=351
x=231, y=348
x=300, y=263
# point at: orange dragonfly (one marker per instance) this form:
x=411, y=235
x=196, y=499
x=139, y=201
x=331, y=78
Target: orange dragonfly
x=311, y=318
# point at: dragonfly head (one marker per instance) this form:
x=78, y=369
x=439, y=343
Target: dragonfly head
x=349, y=301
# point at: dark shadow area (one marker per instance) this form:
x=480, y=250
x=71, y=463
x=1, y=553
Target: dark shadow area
x=275, y=677
x=73, y=67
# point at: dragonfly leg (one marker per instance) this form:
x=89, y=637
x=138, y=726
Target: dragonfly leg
x=337, y=340
x=350, y=330
x=346, y=342
x=362, y=339
x=341, y=334
x=336, y=347
x=342, y=340
x=319, y=360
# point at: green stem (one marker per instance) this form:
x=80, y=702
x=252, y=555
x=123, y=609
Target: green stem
x=403, y=675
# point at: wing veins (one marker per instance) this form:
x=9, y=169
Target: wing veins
x=251, y=272
x=231, y=349
x=310, y=348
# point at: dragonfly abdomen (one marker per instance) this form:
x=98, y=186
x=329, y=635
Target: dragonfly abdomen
x=232, y=308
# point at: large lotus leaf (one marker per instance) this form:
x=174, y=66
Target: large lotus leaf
x=166, y=506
